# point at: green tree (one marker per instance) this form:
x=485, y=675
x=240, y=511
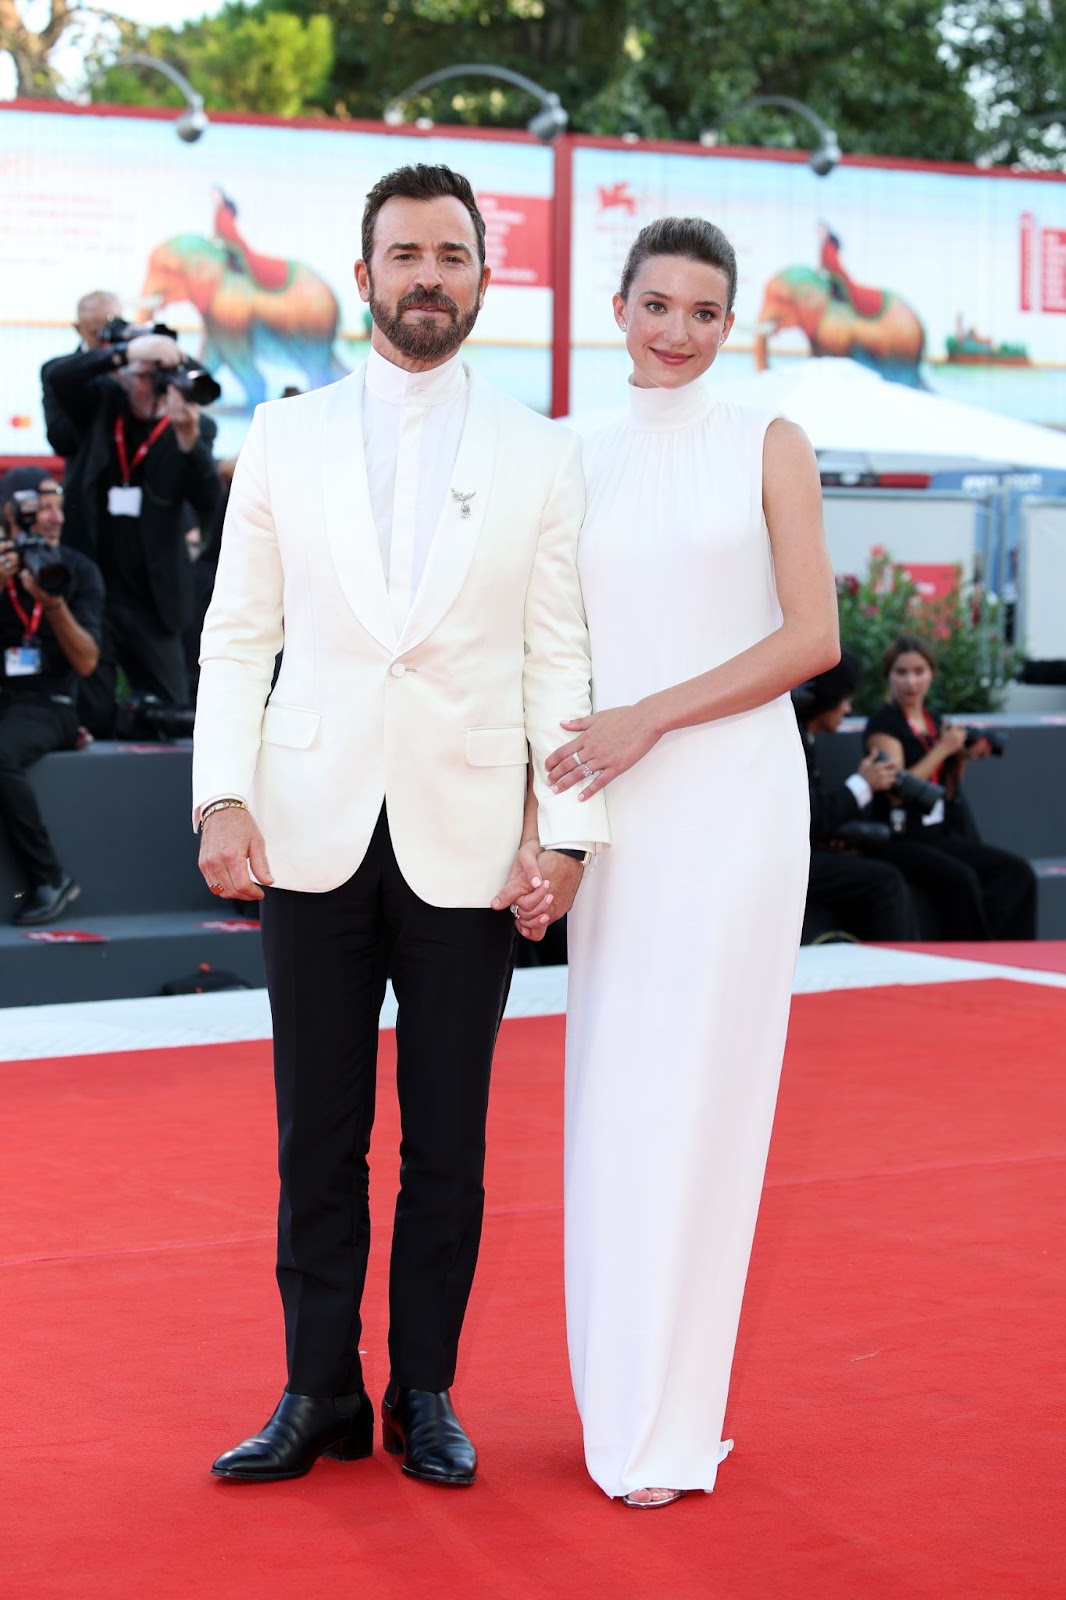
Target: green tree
x=875, y=69
x=1013, y=53
x=275, y=63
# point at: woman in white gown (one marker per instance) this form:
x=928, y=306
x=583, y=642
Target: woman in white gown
x=709, y=594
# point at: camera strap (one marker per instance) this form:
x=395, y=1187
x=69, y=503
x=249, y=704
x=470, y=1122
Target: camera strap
x=126, y=466
x=30, y=623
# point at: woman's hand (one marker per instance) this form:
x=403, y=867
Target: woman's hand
x=527, y=893
x=607, y=744
x=952, y=738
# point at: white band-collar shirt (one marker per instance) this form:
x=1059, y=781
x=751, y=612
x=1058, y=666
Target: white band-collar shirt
x=412, y=425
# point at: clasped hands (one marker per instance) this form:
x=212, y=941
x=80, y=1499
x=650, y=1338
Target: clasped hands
x=541, y=888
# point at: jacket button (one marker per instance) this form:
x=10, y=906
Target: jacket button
x=398, y=670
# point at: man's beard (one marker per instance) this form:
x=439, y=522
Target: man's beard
x=426, y=339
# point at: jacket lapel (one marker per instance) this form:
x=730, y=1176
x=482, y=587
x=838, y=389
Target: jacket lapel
x=350, y=529
x=457, y=534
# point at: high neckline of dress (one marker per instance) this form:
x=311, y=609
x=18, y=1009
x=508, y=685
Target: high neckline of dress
x=663, y=409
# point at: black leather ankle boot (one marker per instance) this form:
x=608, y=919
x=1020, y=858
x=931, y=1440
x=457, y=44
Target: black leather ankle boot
x=302, y=1429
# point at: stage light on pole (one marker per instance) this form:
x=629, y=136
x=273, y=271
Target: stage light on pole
x=551, y=119
x=192, y=122
x=821, y=160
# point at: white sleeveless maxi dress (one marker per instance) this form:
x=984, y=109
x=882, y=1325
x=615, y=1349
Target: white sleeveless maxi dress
x=682, y=945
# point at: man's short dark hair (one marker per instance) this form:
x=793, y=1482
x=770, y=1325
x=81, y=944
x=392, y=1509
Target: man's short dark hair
x=837, y=683
x=421, y=182
x=16, y=479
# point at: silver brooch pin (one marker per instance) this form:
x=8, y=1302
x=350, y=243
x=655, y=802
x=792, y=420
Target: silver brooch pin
x=463, y=501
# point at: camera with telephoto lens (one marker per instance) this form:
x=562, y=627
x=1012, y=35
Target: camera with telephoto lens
x=912, y=791
x=143, y=718
x=193, y=383
x=44, y=562
x=996, y=741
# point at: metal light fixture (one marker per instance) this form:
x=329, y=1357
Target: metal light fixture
x=821, y=160
x=193, y=120
x=550, y=120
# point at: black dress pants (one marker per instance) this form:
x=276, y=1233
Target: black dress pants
x=151, y=654
x=327, y=960
x=870, y=898
x=29, y=729
x=980, y=892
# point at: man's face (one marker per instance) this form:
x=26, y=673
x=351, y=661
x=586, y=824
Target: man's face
x=829, y=721
x=48, y=523
x=137, y=380
x=92, y=319
x=424, y=282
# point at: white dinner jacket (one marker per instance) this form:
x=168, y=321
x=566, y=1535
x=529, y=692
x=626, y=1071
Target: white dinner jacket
x=435, y=719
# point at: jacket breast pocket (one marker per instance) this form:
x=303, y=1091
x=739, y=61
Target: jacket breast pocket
x=496, y=747
x=292, y=726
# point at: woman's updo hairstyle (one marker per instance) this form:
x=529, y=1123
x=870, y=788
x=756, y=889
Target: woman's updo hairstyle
x=690, y=237
x=907, y=644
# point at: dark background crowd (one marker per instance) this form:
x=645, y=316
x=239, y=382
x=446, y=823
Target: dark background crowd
x=106, y=575
x=107, y=571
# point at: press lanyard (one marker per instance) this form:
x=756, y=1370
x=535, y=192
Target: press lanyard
x=927, y=739
x=30, y=623
x=127, y=467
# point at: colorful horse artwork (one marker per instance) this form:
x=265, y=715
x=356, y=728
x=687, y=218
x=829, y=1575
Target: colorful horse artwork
x=254, y=308
x=842, y=318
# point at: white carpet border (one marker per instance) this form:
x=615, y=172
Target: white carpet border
x=29, y=1033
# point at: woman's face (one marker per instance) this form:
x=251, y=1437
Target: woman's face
x=909, y=678
x=674, y=319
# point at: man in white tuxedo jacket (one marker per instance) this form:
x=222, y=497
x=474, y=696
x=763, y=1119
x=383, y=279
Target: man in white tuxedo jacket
x=408, y=536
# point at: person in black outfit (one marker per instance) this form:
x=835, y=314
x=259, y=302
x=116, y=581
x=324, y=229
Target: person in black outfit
x=49, y=637
x=981, y=892
x=142, y=455
x=868, y=898
x=65, y=434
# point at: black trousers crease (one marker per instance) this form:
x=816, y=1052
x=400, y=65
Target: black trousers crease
x=328, y=957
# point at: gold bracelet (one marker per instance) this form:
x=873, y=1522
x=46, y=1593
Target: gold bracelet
x=221, y=805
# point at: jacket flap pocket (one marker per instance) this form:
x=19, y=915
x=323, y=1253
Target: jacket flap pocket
x=496, y=747
x=294, y=726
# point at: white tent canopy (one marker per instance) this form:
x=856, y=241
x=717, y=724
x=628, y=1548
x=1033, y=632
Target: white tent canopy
x=845, y=408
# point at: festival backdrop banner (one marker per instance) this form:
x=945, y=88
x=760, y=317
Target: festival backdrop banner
x=244, y=242
x=950, y=280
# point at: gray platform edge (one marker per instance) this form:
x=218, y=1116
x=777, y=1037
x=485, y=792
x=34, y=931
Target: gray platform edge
x=119, y=815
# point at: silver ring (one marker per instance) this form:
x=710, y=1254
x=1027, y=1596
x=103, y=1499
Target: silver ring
x=575, y=756
x=587, y=770
x=515, y=912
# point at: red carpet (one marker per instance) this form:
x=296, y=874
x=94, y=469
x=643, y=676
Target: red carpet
x=1043, y=955
x=897, y=1395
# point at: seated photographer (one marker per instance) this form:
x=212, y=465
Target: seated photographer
x=980, y=892
x=51, y=608
x=143, y=455
x=868, y=898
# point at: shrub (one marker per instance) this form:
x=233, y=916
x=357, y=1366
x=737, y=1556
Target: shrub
x=965, y=628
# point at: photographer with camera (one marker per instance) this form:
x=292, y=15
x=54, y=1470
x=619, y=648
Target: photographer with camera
x=868, y=898
x=51, y=613
x=143, y=454
x=94, y=312
x=980, y=892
